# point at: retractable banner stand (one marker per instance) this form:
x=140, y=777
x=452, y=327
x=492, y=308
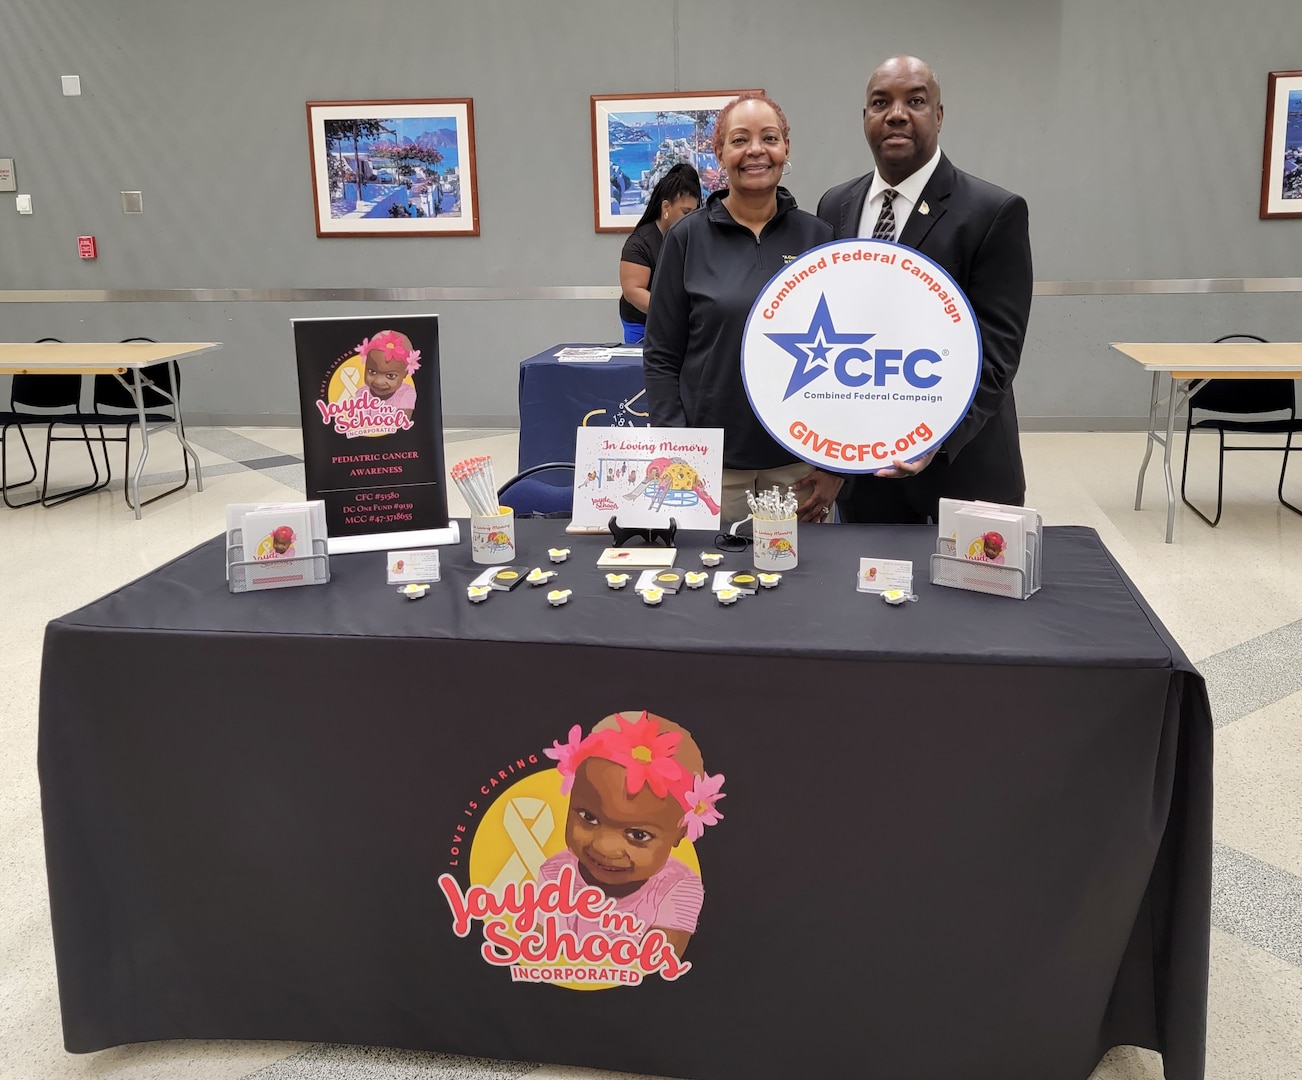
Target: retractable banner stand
x=861, y=352
x=373, y=430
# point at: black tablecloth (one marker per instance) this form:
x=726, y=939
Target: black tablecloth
x=969, y=836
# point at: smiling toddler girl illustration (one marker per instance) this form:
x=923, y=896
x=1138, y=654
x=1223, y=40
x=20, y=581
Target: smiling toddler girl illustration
x=637, y=787
x=390, y=360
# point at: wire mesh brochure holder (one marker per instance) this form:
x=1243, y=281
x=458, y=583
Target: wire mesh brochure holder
x=955, y=572
x=253, y=575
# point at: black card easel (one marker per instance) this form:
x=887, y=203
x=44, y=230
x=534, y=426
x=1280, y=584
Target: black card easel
x=651, y=536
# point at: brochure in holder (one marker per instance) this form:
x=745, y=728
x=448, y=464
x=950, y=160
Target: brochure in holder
x=958, y=565
x=243, y=575
x=275, y=546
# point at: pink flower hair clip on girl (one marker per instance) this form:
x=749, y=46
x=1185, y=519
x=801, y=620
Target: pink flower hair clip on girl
x=392, y=346
x=647, y=757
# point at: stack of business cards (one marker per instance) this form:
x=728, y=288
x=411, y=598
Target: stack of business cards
x=620, y=558
x=273, y=544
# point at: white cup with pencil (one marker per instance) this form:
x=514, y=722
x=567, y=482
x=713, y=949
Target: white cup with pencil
x=492, y=526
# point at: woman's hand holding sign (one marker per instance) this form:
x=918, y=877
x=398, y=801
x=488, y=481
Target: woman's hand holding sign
x=898, y=469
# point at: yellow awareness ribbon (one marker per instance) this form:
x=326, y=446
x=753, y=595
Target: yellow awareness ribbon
x=529, y=824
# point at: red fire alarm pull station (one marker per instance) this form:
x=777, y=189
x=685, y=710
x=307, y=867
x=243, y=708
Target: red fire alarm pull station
x=86, y=247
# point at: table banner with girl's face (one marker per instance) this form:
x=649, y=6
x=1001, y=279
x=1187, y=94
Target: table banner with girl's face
x=621, y=837
x=373, y=424
x=586, y=875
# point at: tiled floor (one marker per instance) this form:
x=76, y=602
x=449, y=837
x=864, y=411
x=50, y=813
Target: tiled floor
x=1232, y=596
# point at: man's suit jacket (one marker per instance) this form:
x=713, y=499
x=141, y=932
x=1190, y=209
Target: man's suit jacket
x=978, y=232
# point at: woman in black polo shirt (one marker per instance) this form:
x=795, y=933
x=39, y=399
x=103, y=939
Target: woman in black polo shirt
x=712, y=267
x=678, y=193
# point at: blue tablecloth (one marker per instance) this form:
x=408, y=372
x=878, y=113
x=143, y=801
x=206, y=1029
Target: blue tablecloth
x=556, y=398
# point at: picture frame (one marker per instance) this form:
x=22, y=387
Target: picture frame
x=637, y=138
x=416, y=160
x=1281, y=164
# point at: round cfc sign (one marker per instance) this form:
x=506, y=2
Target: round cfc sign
x=861, y=352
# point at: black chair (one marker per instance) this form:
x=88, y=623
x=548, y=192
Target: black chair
x=1247, y=407
x=45, y=401
x=545, y=490
x=115, y=406
x=14, y=419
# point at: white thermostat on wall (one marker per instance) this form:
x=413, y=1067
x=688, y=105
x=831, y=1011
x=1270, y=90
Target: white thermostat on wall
x=24, y=203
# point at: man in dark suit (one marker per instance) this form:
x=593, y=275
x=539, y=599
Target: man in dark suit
x=978, y=233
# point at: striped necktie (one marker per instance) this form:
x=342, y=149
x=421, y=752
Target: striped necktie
x=885, y=227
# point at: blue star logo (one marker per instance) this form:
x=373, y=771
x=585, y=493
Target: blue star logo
x=810, y=348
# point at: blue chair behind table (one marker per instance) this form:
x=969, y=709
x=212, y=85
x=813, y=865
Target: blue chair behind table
x=44, y=401
x=1242, y=407
x=545, y=490
x=115, y=406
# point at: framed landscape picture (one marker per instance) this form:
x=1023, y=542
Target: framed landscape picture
x=394, y=168
x=637, y=138
x=1281, y=167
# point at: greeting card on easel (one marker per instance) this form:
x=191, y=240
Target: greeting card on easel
x=645, y=476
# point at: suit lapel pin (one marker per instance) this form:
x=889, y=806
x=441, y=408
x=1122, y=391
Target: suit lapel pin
x=923, y=208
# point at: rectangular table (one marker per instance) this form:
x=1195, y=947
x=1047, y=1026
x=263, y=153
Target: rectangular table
x=556, y=398
x=1185, y=366
x=114, y=358
x=969, y=836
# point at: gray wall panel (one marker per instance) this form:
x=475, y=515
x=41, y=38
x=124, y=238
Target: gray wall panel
x=1133, y=128
x=818, y=66
x=1067, y=357
x=1067, y=361
x=201, y=106
x=1158, y=140
x=481, y=345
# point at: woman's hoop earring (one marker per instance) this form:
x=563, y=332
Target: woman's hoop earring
x=786, y=167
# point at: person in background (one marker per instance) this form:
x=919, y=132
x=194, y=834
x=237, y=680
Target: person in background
x=712, y=267
x=678, y=193
x=979, y=233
